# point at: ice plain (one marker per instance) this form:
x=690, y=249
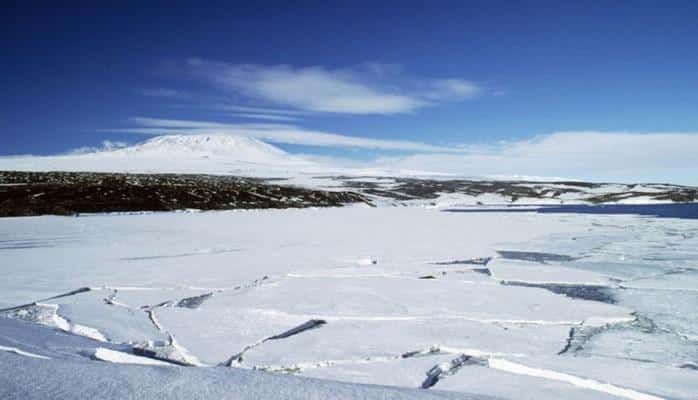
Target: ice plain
x=405, y=297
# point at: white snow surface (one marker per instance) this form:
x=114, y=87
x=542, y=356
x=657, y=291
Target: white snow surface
x=266, y=301
x=120, y=357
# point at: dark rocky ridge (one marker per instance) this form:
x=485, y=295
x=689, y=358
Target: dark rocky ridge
x=69, y=193
x=405, y=189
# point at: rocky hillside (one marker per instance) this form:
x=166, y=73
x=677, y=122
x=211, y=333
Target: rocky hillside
x=67, y=193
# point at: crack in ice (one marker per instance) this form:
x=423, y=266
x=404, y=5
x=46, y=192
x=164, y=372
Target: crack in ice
x=22, y=352
x=308, y=325
x=440, y=371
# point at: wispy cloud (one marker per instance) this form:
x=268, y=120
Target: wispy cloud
x=278, y=133
x=106, y=145
x=267, y=117
x=262, y=110
x=619, y=156
x=369, y=89
x=263, y=113
x=609, y=156
x=450, y=90
x=164, y=93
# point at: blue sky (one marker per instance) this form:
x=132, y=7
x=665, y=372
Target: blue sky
x=357, y=79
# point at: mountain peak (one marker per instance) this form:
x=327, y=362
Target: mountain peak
x=206, y=146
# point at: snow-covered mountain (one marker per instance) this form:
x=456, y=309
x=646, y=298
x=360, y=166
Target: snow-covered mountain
x=238, y=148
x=197, y=154
x=208, y=154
